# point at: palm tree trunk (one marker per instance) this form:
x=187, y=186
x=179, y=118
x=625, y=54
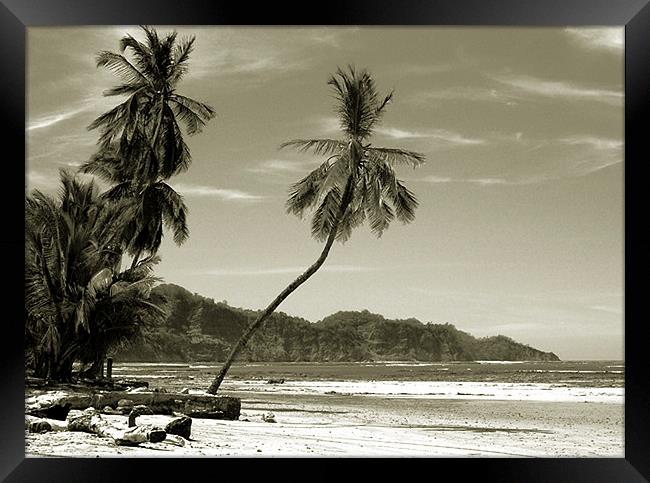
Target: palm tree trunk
x=136, y=259
x=243, y=340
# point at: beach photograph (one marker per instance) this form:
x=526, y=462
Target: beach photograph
x=345, y=241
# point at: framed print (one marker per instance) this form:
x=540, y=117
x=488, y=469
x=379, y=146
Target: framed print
x=357, y=233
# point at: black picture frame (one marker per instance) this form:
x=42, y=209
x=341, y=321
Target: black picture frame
x=17, y=15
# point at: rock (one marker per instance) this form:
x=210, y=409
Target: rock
x=174, y=439
x=275, y=381
x=80, y=423
x=125, y=406
x=55, y=425
x=180, y=426
x=110, y=410
x=91, y=410
x=138, y=410
x=184, y=391
x=268, y=418
x=55, y=411
x=39, y=427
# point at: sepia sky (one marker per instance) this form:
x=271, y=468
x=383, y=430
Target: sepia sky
x=520, y=226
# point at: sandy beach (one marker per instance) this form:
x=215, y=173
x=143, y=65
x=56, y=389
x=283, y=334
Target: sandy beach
x=330, y=423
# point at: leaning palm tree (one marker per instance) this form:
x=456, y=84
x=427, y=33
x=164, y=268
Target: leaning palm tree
x=355, y=183
x=141, y=142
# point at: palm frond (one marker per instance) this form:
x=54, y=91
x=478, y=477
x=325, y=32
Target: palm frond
x=193, y=114
x=140, y=51
x=318, y=146
x=181, y=55
x=174, y=212
x=405, y=203
x=378, y=211
x=304, y=194
x=123, y=89
x=121, y=66
x=326, y=215
x=395, y=156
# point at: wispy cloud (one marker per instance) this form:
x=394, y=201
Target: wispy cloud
x=224, y=194
x=331, y=125
x=611, y=39
x=560, y=89
x=433, y=134
x=282, y=166
x=468, y=93
x=478, y=181
x=283, y=270
x=567, y=157
x=593, y=142
x=48, y=120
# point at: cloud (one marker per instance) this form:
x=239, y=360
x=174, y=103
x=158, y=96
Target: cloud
x=283, y=270
x=48, y=120
x=560, y=89
x=467, y=93
x=567, y=157
x=433, y=134
x=593, y=142
x=611, y=39
x=282, y=166
x=212, y=191
x=331, y=124
x=478, y=181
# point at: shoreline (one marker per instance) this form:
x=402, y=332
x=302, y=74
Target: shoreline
x=358, y=426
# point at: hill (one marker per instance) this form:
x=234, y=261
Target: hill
x=200, y=329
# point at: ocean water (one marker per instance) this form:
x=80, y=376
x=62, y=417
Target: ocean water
x=565, y=381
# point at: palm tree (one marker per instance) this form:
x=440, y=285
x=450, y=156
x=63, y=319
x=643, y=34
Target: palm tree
x=356, y=183
x=73, y=244
x=156, y=204
x=145, y=126
x=141, y=142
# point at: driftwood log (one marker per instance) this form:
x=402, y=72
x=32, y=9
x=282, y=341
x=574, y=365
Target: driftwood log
x=95, y=424
x=192, y=405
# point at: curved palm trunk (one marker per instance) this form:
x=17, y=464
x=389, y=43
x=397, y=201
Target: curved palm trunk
x=243, y=340
x=136, y=259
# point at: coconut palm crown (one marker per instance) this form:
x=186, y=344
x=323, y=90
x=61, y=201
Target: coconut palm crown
x=145, y=127
x=357, y=177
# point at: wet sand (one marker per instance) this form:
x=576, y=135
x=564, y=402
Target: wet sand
x=358, y=425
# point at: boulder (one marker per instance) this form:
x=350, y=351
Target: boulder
x=39, y=427
x=180, y=426
x=125, y=405
x=54, y=411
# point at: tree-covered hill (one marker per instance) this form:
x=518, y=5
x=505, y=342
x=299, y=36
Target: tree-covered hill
x=200, y=329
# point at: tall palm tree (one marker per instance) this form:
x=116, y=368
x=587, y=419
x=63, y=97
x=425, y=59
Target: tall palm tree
x=141, y=142
x=356, y=183
x=145, y=126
